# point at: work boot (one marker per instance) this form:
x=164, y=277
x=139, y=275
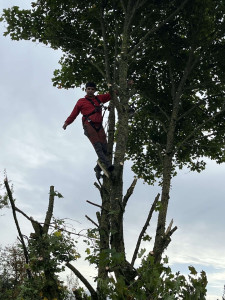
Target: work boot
x=97, y=170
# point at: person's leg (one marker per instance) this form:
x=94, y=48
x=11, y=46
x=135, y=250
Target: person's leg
x=96, y=140
x=103, y=141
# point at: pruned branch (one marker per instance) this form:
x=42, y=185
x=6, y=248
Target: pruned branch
x=144, y=230
x=92, y=203
x=89, y=219
x=167, y=238
x=97, y=186
x=129, y=192
x=169, y=227
x=49, y=212
x=40, y=223
x=9, y=192
x=84, y=280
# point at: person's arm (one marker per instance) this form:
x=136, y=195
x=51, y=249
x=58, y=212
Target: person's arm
x=72, y=116
x=104, y=97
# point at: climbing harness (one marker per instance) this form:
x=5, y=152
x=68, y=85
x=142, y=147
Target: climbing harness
x=98, y=108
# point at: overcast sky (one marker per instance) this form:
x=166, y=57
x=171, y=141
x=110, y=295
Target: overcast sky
x=36, y=152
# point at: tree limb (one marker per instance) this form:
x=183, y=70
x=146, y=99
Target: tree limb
x=49, y=212
x=144, y=229
x=92, y=203
x=17, y=224
x=129, y=192
x=84, y=280
x=106, y=52
x=89, y=219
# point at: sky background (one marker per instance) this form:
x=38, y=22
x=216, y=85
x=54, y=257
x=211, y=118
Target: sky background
x=36, y=152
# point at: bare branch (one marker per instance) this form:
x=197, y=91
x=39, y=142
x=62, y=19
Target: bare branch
x=98, y=186
x=144, y=230
x=98, y=215
x=167, y=238
x=40, y=223
x=89, y=219
x=129, y=192
x=17, y=224
x=22, y=213
x=169, y=227
x=84, y=280
x=49, y=212
x=92, y=203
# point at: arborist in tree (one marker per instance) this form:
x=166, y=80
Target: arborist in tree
x=91, y=108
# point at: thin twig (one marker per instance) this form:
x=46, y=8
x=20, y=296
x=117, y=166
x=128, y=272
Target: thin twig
x=49, y=224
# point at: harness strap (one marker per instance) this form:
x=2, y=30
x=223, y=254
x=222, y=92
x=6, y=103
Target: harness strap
x=97, y=109
x=93, y=125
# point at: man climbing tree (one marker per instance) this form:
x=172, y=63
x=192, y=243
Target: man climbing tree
x=91, y=108
x=173, y=51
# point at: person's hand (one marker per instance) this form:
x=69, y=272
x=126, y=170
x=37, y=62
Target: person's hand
x=64, y=126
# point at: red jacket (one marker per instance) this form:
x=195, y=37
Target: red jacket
x=85, y=107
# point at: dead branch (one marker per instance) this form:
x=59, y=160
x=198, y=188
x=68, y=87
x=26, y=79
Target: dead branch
x=40, y=223
x=98, y=186
x=49, y=212
x=17, y=224
x=94, y=204
x=169, y=227
x=98, y=215
x=167, y=238
x=84, y=280
x=144, y=230
x=129, y=192
x=89, y=219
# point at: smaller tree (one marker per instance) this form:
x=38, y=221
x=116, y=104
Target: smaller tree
x=12, y=271
x=44, y=253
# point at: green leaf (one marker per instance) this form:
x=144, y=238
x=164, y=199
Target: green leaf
x=192, y=270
